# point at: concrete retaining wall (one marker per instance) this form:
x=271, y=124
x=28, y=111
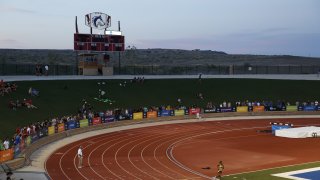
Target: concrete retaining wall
x=23, y=159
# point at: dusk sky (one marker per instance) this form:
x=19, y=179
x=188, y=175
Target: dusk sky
x=271, y=27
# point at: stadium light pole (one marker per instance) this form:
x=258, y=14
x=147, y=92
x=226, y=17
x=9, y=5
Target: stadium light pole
x=119, y=29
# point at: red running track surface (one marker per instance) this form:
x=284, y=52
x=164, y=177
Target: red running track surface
x=183, y=151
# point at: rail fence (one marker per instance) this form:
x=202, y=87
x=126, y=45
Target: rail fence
x=30, y=69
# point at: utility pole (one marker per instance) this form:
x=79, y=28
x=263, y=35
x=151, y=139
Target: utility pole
x=119, y=29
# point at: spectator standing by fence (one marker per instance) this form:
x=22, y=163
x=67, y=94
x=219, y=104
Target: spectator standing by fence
x=46, y=70
x=6, y=144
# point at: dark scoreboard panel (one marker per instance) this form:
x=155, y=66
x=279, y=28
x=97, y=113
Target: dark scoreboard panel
x=94, y=42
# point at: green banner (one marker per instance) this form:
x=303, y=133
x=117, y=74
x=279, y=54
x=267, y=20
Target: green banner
x=291, y=108
x=179, y=112
x=84, y=123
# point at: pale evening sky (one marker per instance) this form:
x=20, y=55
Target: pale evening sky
x=235, y=26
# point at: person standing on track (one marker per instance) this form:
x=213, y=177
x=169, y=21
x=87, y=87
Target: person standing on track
x=80, y=156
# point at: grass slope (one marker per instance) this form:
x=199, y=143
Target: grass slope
x=58, y=98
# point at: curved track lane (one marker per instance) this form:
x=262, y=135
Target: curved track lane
x=182, y=151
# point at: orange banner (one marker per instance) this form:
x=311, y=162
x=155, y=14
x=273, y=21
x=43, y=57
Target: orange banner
x=258, y=108
x=61, y=127
x=6, y=155
x=152, y=114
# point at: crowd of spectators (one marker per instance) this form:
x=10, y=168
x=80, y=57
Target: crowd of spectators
x=86, y=111
x=39, y=70
x=14, y=105
x=7, y=87
x=26, y=102
x=138, y=80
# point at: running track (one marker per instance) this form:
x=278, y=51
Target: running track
x=183, y=151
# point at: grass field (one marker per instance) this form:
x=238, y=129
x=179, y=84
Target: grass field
x=58, y=98
x=267, y=174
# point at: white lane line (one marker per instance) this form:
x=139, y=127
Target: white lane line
x=174, y=160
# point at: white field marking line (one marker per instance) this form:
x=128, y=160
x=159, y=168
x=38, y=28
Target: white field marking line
x=114, y=156
x=110, y=130
x=155, y=130
x=167, y=136
x=159, y=162
x=109, y=147
x=142, y=157
x=160, y=128
x=103, y=139
x=255, y=117
x=170, y=149
x=253, y=135
x=74, y=159
x=75, y=156
x=136, y=135
x=141, y=142
x=128, y=153
x=194, y=132
x=60, y=163
x=116, y=153
x=290, y=173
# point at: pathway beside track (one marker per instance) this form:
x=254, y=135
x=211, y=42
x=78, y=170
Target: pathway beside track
x=204, y=76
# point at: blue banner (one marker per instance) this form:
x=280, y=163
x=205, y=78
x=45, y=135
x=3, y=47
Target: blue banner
x=166, y=113
x=275, y=108
x=109, y=118
x=72, y=125
x=226, y=109
x=309, y=108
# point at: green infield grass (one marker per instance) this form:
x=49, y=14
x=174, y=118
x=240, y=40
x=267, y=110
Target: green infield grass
x=267, y=174
x=64, y=97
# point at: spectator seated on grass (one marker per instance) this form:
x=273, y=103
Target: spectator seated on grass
x=7, y=88
x=33, y=92
x=12, y=105
x=28, y=103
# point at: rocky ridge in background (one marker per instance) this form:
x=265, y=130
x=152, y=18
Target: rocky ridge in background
x=170, y=57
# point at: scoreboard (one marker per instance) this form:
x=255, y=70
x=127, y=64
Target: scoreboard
x=100, y=43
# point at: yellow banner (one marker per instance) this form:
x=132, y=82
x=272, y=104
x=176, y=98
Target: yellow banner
x=84, y=123
x=242, y=108
x=178, y=112
x=51, y=130
x=138, y=115
x=28, y=141
x=291, y=108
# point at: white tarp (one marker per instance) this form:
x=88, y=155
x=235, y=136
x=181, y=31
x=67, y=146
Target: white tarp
x=301, y=132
